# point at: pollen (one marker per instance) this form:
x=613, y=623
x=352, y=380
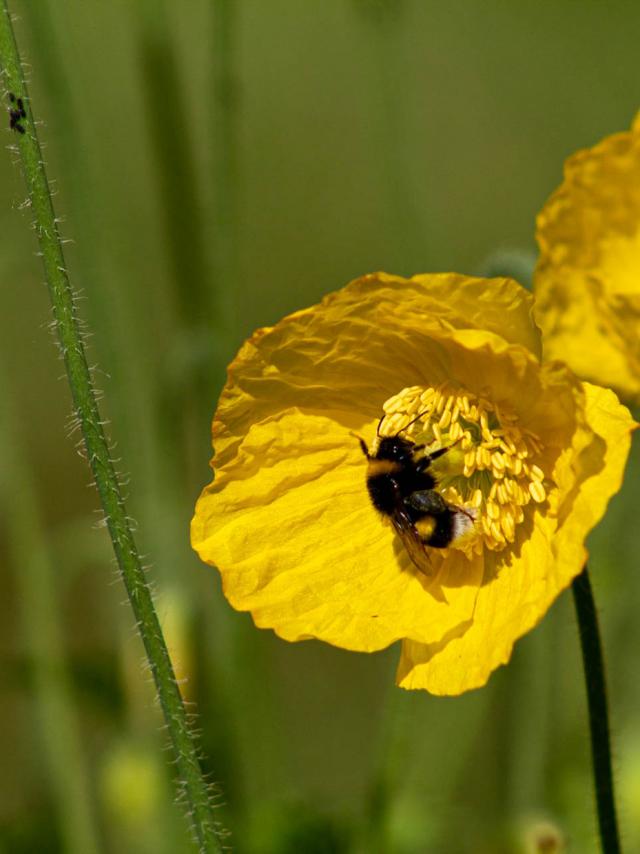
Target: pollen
x=495, y=469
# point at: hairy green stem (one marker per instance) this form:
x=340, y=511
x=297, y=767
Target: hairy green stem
x=84, y=400
x=598, y=715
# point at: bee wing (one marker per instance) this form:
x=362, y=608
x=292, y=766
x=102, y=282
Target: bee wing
x=411, y=541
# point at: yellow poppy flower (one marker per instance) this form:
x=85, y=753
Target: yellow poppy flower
x=535, y=457
x=587, y=281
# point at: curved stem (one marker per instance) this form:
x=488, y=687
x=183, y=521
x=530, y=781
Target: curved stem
x=195, y=788
x=598, y=714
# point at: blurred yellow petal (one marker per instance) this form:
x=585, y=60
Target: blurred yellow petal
x=587, y=282
x=518, y=590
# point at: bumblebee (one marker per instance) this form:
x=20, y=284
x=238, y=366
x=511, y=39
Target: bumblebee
x=401, y=487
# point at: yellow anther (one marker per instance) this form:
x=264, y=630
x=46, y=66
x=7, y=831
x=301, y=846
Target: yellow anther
x=496, y=532
x=445, y=419
x=536, y=473
x=394, y=423
x=497, y=461
x=455, y=432
x=424, y=422
x=510, y=444
x=537, y=491
x=508, y=526
x=493, y=511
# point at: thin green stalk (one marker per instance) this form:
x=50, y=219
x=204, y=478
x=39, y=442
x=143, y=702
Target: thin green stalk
x=226, y=168
x=171, y=130
x=598, y=715
x=195, y=788
x=69, y=778
x=404, y=220
x=393, y=752
x=259, y=753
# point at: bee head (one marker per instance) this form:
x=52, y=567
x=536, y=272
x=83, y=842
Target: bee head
x=395, y=448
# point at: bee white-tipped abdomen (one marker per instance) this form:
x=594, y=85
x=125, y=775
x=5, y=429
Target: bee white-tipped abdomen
x=463, y=522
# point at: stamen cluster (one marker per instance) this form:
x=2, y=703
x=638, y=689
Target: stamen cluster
x=491, y=469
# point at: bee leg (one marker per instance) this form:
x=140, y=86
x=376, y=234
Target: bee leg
x=427, y=501
x=435, y=454
x=423, y=463
x=363, y=444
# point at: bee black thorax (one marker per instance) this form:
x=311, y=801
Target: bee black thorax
x=395, y=472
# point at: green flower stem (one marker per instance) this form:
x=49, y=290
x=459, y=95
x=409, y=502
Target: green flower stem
x=180, y=190
x=86, y=409
x=41, y=617
x=598, y=715
x=225, y=105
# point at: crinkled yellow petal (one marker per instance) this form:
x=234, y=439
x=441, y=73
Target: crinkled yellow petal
x=289, y=525
x=498, y=305
x=288, y=521
x=365, y=343
x=516, y=593
x=587, y=282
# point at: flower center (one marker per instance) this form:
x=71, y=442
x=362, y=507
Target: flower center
x=491, y=469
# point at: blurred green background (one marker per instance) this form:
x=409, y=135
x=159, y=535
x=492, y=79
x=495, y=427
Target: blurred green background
x=219, y=163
